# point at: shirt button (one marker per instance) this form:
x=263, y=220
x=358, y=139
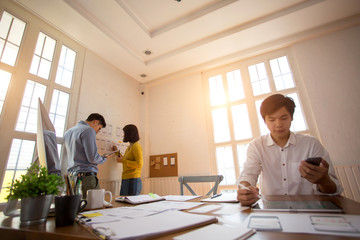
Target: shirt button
x=284, y=179
x=282, y=149
x=283, y=164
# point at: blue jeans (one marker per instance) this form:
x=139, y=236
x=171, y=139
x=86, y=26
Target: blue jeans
x=130, y=187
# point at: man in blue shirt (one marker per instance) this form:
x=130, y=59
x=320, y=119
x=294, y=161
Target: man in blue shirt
x=83, y=156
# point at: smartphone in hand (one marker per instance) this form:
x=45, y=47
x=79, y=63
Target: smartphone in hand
x=314, y=160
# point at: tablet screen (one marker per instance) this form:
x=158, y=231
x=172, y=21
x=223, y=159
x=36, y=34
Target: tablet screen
x=297, y=206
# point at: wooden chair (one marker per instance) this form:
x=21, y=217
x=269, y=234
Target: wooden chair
x=184, y=180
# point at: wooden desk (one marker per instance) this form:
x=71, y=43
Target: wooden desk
x=10, y=227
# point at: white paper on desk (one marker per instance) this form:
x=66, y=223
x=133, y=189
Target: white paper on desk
x=230, y=209
x=180, y=198
x=114, y=214
x=167, y=205
x=205, y=209
x=215, y=232
x=154, y=225
x=301, y=222
x=225, y=198
x=332, y=223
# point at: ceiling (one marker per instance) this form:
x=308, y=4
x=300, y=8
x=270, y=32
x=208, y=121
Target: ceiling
x=188, y=35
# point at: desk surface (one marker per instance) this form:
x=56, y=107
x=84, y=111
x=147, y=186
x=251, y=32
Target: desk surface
x=10, y=227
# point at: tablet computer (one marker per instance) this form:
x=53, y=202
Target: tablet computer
x=297, y=206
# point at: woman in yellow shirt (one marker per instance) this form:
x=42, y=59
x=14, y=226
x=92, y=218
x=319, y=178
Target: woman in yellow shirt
x=132, y=162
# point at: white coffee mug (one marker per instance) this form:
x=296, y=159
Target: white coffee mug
x=96, y=198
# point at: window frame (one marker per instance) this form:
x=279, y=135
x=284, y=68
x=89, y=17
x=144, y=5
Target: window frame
x=21, y=73
x=250, y=100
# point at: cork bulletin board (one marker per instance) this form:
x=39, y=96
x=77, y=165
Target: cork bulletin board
x=164, y=165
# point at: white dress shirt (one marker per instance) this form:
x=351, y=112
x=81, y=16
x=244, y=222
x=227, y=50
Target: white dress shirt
x=279, y=167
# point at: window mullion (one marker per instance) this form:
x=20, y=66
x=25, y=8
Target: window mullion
x=228, y=107
x=270, y=76
x=231, y=124
x=51, y=81
x=236, y=161
x=250, y=101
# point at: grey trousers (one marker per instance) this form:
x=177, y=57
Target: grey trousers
x=89, y=182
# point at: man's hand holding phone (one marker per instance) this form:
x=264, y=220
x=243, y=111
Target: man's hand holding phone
x=315, y=170
x=314, y=160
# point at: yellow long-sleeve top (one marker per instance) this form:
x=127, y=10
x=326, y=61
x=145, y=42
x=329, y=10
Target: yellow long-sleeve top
x=132, y=161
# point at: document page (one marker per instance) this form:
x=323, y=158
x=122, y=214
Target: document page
x=180, y=198
x=216, y=232
x=332, y=223
x=323, y=223
x=225, y=198
x=152, y=226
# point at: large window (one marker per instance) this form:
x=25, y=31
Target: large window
x=235, y=96
x=30, y=69
x=11, y=34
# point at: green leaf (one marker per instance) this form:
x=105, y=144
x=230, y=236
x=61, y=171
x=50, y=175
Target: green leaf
x=35, y=182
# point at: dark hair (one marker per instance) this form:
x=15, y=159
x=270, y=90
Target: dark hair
x=275, y=102
x=131, y=133
x=96, y=116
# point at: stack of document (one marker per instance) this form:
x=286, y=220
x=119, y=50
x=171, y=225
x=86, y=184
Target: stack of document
x=151, y=226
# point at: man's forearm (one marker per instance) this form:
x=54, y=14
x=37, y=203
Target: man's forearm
x=327, y=185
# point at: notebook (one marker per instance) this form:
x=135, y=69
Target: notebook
x=139, y=199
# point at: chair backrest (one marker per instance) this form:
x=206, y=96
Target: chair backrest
x=184, y=180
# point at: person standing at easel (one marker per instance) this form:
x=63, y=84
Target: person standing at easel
x=82, y=152
x=132, y=162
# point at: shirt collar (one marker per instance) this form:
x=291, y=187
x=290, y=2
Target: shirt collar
x=291, y=140
x=83, y=122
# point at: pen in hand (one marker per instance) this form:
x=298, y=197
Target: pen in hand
x=242, y=186
x=216, y=195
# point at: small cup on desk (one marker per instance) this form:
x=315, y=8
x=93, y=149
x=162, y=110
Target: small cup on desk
x=96, y=198
x=66, y=209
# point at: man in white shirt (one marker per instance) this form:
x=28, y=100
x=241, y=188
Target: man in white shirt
x=279, y=158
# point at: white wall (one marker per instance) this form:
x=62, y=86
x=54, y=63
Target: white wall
x=330, y=68
x=176, y=120
x=106, y=90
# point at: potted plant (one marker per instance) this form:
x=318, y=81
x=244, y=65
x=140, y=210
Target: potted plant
x=36, y=190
